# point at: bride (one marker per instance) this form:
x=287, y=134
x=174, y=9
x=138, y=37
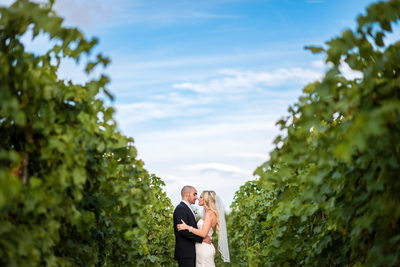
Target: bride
x=213, y=219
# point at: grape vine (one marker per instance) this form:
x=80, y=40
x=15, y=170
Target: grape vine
x=330, y=193
x=72, y=191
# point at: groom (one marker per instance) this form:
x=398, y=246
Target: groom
x=185, y=252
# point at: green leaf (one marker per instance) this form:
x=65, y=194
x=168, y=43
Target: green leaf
x=314, y=49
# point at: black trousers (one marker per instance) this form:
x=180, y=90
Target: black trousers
x=188, y=262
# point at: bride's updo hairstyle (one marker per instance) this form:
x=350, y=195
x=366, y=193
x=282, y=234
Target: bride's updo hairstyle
x=209, y=198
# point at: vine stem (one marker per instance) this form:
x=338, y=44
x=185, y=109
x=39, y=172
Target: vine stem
x=25, y=169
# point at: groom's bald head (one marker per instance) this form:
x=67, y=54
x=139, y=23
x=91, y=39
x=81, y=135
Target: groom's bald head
x=187, y=189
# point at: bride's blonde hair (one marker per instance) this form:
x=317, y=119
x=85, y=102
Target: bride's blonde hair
x=209, y=198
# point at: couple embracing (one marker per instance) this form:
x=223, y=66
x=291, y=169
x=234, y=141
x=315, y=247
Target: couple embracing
x=193, y=246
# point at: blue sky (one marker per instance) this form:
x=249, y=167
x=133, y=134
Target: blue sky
x=200, y=84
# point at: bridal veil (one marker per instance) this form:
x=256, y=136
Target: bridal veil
x=222, y=235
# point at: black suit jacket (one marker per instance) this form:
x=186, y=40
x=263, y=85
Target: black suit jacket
x=184, y=240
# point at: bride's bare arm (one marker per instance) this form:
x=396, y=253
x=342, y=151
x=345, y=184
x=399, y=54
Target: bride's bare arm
x=208, y=218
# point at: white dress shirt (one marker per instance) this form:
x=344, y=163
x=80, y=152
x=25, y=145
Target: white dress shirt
x=187, y=204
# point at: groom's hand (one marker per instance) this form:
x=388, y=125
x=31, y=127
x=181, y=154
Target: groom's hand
x=207, y=240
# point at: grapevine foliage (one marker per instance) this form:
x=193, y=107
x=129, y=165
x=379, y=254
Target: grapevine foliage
x=72, y=191
x=330, y=193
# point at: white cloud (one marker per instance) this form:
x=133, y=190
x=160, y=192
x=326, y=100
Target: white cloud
x=212, y=149
x=6, y=2
x=80, y=13
x=214, y=167
x=207, y=15
x=163, y=106
x=101, y=14
x=319, y=64
x=240, y=81
x=349, y=73
x=126, y=62
x=344, y=68
x=84, y=13
x=255, y=156
x=219, y=155
x=136, y=71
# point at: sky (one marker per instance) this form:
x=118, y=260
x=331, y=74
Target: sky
x=199, y=85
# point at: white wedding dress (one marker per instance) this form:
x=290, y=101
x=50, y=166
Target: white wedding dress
x=205, y=253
